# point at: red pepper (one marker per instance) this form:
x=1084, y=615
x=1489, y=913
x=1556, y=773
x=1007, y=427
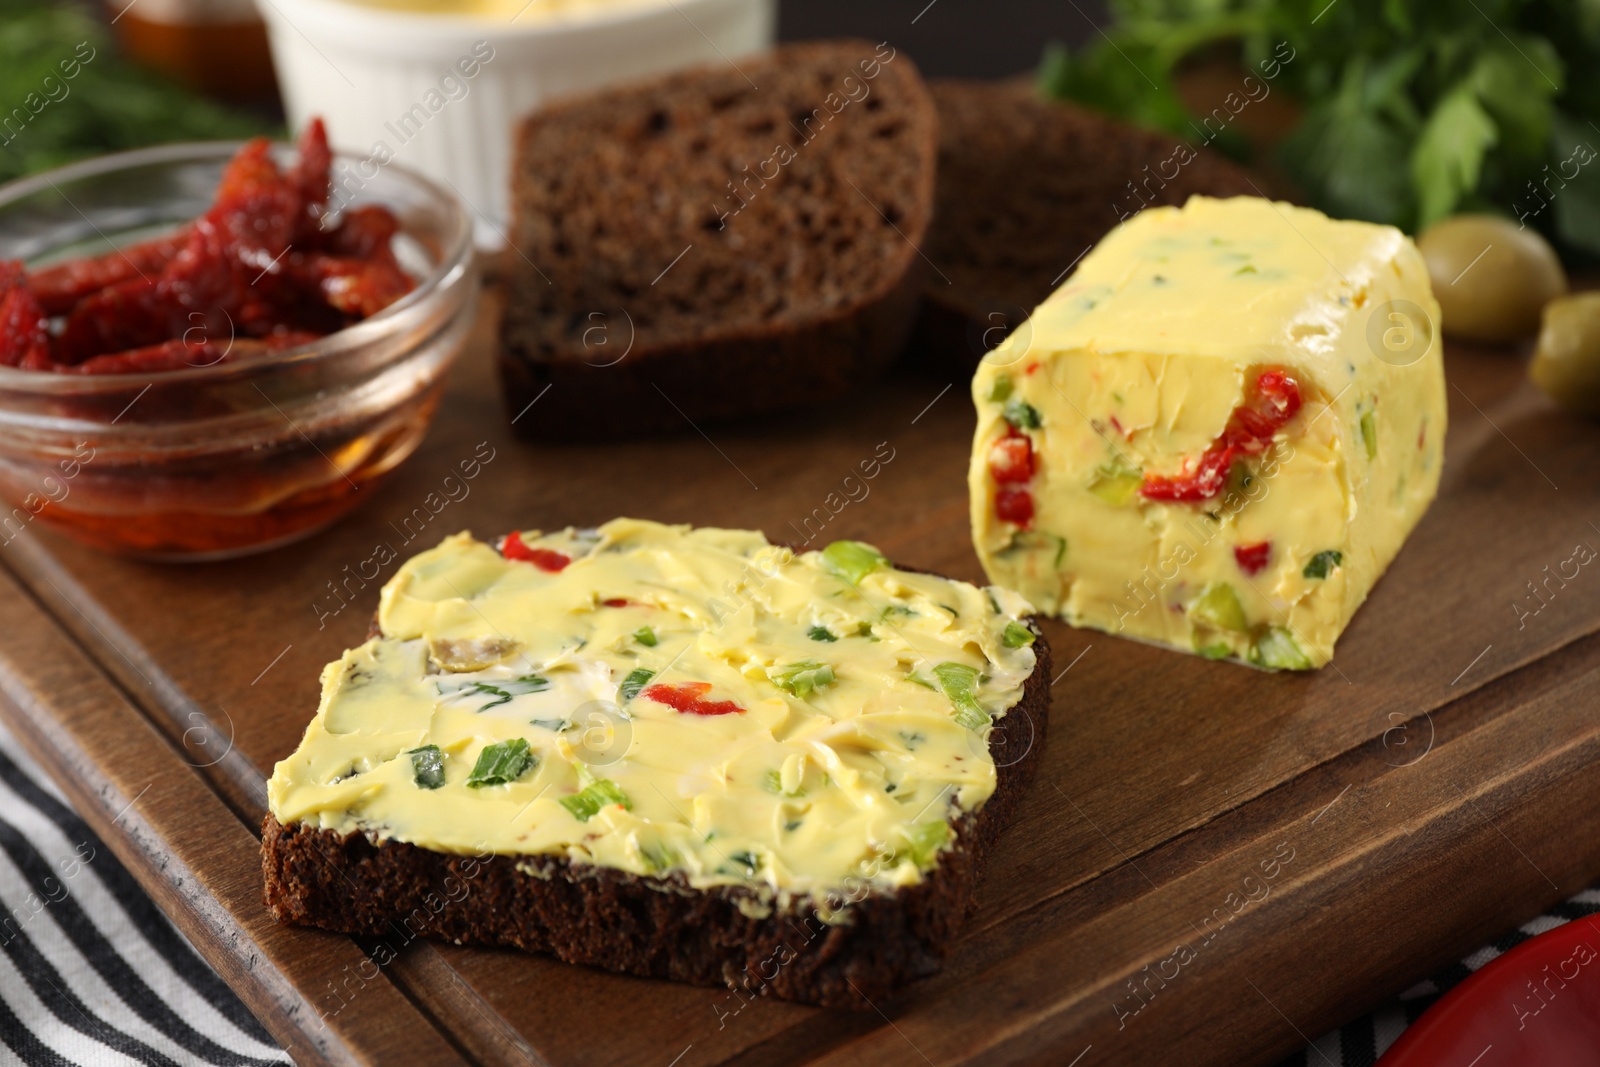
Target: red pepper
x=184, y=355
x=24, y=338
x=259, y=263
x=358, y=287
x=1275, y=399
x=1253, y=558
x=132, y=314
x=1011, y=458
x=62, y=285
x=689, y=698
x=1014, y=505
x=546, y=559
x=616, y=602
x=311, y=178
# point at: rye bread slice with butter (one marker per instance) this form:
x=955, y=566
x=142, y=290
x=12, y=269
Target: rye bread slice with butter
x=660, y=926
x=1026, y=186
x=716, y=243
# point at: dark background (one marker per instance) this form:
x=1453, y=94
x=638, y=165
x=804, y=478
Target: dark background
x=962, y=38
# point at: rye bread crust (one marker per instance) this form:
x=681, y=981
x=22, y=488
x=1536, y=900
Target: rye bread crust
x=1027, y=185
x=797, y=277
x=660, y=927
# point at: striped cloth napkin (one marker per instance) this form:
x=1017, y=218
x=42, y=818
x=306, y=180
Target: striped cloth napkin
x=91, y=971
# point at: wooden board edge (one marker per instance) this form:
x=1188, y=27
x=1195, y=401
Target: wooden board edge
x=1518, y=821
x=188, y=849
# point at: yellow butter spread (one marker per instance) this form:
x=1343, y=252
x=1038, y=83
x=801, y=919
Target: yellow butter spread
x=1136, y=366
x=694, y=701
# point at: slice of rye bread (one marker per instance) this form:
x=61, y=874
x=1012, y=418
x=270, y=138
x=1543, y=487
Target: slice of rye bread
x=660, y=926
x=1026, y=187
x=695, y=248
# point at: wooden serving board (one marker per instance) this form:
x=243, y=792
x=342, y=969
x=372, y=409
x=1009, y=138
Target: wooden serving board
x=1213, y=860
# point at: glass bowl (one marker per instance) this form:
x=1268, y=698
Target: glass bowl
x=217, y=461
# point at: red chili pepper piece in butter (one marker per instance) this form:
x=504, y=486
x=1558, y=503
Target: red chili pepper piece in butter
x=546, y=559
x=1013, y=504
x=1011, y=458
x=689, y=698
x=1253, y=559
x=1275, y=398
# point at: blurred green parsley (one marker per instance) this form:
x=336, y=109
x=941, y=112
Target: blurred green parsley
x=48, y=118
x=1414, y=110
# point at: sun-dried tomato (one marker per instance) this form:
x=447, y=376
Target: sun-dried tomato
x=183, y=355
x=1273, y=401
x=360, y=288
x=24, y=333
x=130, y=314
x=261, y=262
x=62, y=285
x=364, y=232
x=311, y=177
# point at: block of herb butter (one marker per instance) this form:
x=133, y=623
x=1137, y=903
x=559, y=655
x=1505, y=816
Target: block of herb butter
x=644, y=713
x=1217, y=433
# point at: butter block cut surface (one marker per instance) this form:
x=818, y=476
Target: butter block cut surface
x=1217, y=433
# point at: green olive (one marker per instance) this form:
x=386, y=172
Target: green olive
x=1567, y=362
x=1490, y=278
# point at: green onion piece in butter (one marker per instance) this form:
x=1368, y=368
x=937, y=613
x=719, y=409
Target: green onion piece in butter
x=864, y=629
x=853, y=560
x=748, y=860
x=926, y=839
x=1218, y=605
x=427, y=766
x=1021, y=414
x=1000, y=391
x=646, y=636
x=1369, y=434
x=658, y=858
x=634, y=683
x=586, y=803
x=1030, y=540
x=958, y=681
x=1276, y=649
x=802, y=678
x=1116, y=483
x=1323, y=563
x=772, y=782
x=1215, y=650
x=500, y=763
x=1016, y=635
x=494, y=691
x=821, y=633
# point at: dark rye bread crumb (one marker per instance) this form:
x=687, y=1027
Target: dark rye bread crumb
x=750, y=247
x=660, y=927
x=1026, y=186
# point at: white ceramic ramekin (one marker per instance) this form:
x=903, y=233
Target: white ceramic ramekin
x=443, y=93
